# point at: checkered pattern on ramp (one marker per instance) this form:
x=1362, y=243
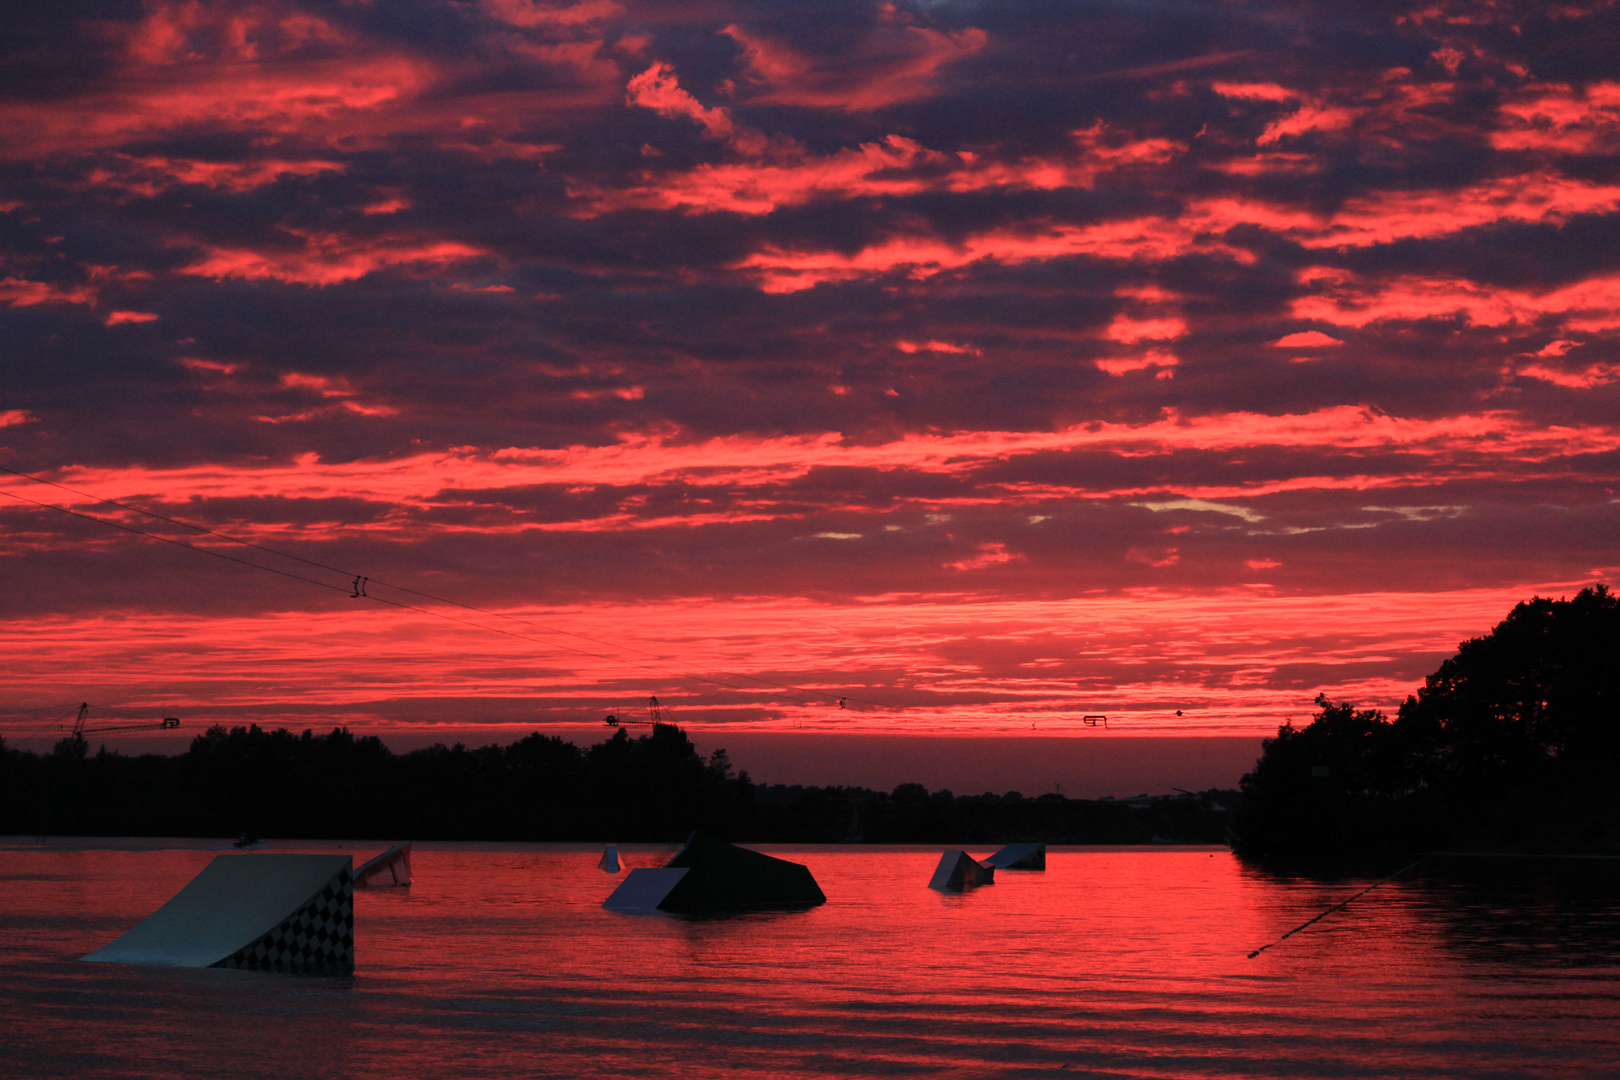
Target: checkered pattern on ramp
x=317, y=939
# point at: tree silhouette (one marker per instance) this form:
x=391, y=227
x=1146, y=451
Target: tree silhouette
x=1512, y=743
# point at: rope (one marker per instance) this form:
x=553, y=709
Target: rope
x=1332, y=909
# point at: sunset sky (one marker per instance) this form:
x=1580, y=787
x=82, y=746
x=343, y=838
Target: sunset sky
x=985, y=364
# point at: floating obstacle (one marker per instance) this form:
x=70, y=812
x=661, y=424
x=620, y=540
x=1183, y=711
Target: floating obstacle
x=1019, y=857
x=710, y=875
x=957, y=870
x=610, y=860
x=645, y=890
x=392, y=867
x=269, y=912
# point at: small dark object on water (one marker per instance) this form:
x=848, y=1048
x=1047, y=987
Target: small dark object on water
x=246, y=840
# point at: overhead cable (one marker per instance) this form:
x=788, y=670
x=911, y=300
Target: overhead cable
x=356, y=590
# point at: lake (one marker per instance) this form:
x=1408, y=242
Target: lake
x=1114, y=962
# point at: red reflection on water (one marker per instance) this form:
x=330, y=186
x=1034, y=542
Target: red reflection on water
x=500, y=961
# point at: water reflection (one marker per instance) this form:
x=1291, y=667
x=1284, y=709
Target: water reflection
x=1532, y=912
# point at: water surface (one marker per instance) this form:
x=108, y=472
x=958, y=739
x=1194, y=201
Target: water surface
x=1114, y=962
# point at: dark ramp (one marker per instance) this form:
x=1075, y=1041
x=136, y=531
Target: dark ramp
x=392, y=867
x=643, y=890
x=722, y=877
x=1019, y=857
x=957, y=870
x=267, y=912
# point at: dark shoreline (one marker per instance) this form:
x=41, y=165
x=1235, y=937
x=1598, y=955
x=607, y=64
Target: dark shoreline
x=651, y=788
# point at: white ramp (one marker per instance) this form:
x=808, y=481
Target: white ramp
x=610, y=860
x=644, y=889
x=266, y=912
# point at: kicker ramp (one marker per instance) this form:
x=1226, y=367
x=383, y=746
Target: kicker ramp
x=957, y=870
x=712, y=876
x=1019, y=857
x=267, y=912
x=392, y=867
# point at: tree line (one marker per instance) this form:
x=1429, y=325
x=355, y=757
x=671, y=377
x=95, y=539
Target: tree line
x=653, y=788
x=1513, y=744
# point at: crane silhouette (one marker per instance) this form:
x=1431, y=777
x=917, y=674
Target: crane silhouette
x=168, y=723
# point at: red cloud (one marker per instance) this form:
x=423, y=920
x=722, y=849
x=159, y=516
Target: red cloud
x=329, y=258
x=117, y=317
x=789, y=176
x=1385, y=217
x=987, y=555
x=1343, y=299
x=935, y=346
x=1369, y=220
x=1253, y=91
x=1130, y=331
x=1222, y=655
x=1575, y=376
x=19, y=292
x=1155, y=557
x=657, y=89
x=150, y=175
x=530, y=13
x=283, y=75
x=900, y=61
x=302, y=96
x=752, y=461
x=1140, y=239
x=1155, y=360
x=1306, y=119
x=1561, y=120
x=1306, y=339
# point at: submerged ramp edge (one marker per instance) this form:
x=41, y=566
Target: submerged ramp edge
x=260, y=912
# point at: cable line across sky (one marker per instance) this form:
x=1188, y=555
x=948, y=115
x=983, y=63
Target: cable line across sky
x=360, y=583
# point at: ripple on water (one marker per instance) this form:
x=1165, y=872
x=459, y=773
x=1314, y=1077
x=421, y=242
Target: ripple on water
x=1113, y=962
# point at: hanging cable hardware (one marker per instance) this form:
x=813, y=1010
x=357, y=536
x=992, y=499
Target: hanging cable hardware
x=357, y=590
x=168, y=723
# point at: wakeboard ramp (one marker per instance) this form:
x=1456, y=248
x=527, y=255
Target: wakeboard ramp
x=392, y=867
x=1019, y=857
x=712, y=876
x=264, y=912
x=957, y=870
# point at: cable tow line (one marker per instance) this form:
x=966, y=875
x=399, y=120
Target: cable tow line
x=357, y=590
x=1331, y=910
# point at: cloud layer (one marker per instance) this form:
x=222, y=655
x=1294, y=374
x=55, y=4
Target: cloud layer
x=993, y=363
